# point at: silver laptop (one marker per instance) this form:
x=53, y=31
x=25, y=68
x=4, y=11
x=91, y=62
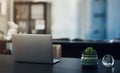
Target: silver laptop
x=34, y=48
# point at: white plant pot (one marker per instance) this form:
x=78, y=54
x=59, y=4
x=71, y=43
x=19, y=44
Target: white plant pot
x=89, y=60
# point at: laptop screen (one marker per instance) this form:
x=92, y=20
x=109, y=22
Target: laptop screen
x=33, y=48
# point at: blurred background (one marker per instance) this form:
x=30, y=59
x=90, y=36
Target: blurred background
x=84, y=19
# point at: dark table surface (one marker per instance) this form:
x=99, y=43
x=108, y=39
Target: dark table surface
x=66, y=65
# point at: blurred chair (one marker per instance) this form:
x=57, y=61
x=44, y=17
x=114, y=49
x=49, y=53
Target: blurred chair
x=62, y=39
x=77, y=39
x=116, y=39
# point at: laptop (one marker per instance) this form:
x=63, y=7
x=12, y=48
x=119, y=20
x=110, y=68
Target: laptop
x=36, y=48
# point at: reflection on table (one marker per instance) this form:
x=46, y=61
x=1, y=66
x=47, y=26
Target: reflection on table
x=66, y=65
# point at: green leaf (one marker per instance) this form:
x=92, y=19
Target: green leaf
x=90, y=51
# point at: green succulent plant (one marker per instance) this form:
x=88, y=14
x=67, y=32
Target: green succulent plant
x=89, y=51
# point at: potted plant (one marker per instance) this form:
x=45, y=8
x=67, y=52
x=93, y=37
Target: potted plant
x=89, y=58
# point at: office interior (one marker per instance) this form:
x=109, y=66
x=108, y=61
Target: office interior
x=94, y=21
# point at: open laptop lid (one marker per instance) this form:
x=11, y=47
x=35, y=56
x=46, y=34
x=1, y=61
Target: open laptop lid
x=33, y=48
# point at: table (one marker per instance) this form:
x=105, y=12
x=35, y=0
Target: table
x=66, y=65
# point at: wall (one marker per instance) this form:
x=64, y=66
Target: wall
x=85, y=18
x=64, y=19
x=106, y=26
x=6, y=15
x=113, y=19
x=3, y=15
x=3, y=23
x=95, y=27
